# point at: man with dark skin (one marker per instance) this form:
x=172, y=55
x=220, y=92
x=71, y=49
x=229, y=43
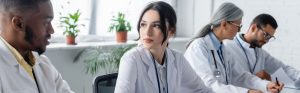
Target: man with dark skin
x=25, y=27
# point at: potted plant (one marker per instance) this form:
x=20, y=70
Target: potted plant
x=70, y=25
x=121, y=26
x=102, y=60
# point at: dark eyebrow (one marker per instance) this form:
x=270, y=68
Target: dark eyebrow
x=155, y=22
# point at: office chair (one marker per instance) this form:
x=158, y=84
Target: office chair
x=105, y=83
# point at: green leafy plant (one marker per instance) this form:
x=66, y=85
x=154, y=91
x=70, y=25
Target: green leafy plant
x=119, y=23
x=70, y=23
x=105, y=60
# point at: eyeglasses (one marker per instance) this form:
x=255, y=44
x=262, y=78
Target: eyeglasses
x=238, y=26
x=267, y=36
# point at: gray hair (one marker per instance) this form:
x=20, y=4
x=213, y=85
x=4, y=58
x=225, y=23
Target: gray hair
x=227, y=11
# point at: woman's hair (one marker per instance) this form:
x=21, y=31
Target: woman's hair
x=227, y=11
x=166, y=14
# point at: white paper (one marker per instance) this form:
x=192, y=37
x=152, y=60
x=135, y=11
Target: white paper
x=282, y=77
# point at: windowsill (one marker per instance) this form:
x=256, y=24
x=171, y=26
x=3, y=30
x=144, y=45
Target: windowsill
x=82, y=45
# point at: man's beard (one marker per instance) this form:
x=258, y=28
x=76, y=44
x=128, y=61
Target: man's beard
x=29, y=38
x=254, y=43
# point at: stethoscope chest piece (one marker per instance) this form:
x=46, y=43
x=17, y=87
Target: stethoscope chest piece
x=217, y=73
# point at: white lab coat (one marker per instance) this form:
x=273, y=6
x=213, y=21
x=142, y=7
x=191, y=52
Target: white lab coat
x=200, y=57
x=264, y=60
x=14, y=78
x=137, y=74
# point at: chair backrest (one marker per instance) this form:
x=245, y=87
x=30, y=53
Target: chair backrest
x=105, y=83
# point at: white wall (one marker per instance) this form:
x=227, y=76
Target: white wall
x=192, y=15
x=73, y=73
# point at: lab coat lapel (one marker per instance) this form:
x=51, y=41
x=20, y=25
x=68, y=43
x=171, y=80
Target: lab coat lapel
x=208, y=42
x=171, y=71
x=209, y=47
x=7, y=55
x=37, y=71
x=9, y=58
x=146, y=58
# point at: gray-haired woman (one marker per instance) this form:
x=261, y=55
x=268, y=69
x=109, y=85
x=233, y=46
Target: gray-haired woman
x=213, y=64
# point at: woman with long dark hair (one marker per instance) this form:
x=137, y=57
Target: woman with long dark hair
x=152, y=67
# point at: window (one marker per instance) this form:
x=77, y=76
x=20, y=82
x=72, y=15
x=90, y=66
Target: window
x=63, y=7
x=96, y=15
x=131, y=8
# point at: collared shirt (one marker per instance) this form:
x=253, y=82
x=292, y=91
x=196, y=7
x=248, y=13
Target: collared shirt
x=162, y=69
x=21, y=60
x=217, y=44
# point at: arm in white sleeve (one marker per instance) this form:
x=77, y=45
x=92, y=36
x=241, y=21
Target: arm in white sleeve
x=1, y=86
x=198, y=56
x=190, y=80
x=246, y=79
x=61, y=85
x=127, y=74
x=272, y=64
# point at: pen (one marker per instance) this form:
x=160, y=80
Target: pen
x=277, y=84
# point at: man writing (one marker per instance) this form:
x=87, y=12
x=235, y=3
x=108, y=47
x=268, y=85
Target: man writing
x=249, y=54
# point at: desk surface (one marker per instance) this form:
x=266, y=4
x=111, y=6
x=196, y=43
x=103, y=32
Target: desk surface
x=289, y=90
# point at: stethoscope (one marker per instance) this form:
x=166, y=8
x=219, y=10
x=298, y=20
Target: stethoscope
x=157, y=77
x=217, y=72
x=244, y=50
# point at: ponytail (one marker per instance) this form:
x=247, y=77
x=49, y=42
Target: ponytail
x=227, y=11
x=202, y=33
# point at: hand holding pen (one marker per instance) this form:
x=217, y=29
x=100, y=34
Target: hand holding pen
x=275, y=87
x=277, y=83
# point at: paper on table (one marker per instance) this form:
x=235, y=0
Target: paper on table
x=282, y=77
x=297, y=84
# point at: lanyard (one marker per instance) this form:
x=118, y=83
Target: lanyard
x=248, y=61
x=157, y=78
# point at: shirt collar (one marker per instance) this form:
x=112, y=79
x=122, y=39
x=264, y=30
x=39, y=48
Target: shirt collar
x=242, y=41
x=216, y=43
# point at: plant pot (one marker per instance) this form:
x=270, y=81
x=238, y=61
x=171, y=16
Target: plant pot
x=121, y=36
x=70, y=40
